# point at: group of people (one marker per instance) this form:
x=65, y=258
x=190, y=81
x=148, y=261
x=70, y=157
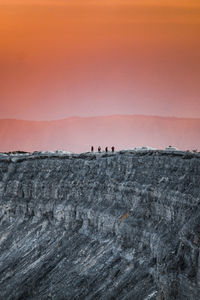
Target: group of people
x=106, y=149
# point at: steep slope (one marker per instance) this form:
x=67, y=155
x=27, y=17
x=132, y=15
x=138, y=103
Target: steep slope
x=78, y=134
x=100, y=226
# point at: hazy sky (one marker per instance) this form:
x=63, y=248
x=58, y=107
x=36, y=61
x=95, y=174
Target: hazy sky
x=60, y=58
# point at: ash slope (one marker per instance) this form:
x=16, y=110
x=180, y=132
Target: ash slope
x=100, y=226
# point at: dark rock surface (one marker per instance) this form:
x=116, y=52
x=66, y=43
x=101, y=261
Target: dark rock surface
x=100, y=226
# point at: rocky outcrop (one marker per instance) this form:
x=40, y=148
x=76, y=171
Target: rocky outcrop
x=100, y=226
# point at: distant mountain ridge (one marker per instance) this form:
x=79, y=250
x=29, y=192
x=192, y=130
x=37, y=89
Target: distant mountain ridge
x=77, y=134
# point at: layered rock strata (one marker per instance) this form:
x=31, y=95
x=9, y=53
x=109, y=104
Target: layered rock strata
x=100, y=226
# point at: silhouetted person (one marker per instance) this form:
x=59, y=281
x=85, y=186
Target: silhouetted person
x=106, y=149
x=99, y=149
x=113, y=149
x=92, y=149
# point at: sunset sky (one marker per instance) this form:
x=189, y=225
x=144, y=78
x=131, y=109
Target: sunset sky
x=63, y=58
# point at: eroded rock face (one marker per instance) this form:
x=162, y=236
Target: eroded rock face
x=100, y=226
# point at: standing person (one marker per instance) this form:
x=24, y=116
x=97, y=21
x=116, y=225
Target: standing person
x=113, y=149
x=92, y=149
x=99, y=149
x=106, y=149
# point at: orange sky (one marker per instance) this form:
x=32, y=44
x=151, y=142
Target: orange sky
x=60, y=58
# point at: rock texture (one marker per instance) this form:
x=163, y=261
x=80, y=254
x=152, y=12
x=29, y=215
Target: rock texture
x=100, y=226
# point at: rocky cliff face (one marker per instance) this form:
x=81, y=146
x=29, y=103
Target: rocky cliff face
x=100, y=226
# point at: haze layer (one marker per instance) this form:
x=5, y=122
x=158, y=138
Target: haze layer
x=86, y=58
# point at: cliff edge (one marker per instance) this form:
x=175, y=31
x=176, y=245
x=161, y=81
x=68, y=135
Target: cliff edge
x=100, y=226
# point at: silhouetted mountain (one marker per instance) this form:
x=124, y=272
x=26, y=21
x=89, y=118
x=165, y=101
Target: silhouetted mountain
x=78, y=134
